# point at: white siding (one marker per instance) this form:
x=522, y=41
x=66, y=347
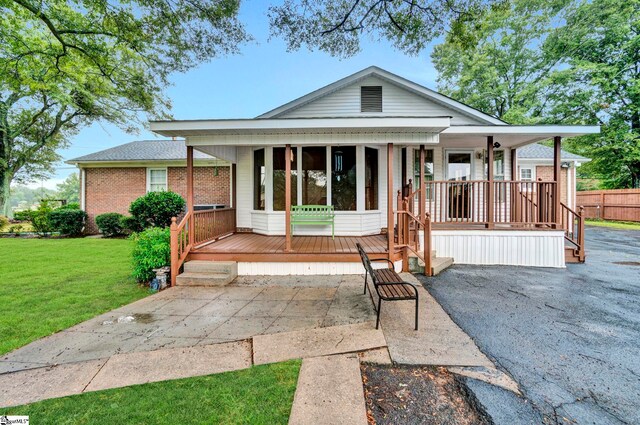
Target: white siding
x=396, y=101
x=360, y=138
x=284, y=269
x=501, y=247
x=346, y=224
x=244, y=187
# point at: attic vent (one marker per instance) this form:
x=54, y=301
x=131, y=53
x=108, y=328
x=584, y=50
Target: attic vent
x=371, y=99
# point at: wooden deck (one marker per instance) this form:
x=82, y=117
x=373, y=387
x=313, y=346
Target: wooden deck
x=260, y=248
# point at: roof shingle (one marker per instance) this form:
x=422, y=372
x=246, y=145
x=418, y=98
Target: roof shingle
x=143, y=150
x=538, y=151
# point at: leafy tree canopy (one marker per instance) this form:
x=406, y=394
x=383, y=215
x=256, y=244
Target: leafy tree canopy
x=64, y=64
x=336, y=26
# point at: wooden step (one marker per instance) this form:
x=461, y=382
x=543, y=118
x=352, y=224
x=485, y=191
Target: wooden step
x=571, y=255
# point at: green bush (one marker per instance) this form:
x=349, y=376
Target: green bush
x=155, y=209
x=40, y=219
x=151, y=250
x=110, y=224
x=24, y=215
x=69, y=206
x=67, y=221
x=3, y=221
x=130, y=223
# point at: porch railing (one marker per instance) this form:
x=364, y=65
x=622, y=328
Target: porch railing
x=197, y=228
x=408, y=226
x=515, y=203
x=573, y=225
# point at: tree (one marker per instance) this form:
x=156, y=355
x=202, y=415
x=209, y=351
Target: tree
x=69, y=189
x=336, y=26
x=64, y=65
x=601, y=45
x=498, y=63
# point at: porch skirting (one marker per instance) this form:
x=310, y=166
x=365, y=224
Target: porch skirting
x=310, y=268
x=543, y=248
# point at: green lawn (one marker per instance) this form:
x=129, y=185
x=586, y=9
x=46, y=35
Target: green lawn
x=51, y=284
x=624, y=225
x=259, y=395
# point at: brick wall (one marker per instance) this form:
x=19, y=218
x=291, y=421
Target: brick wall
x=545, y=173
x=207, y=187
x=113, y=189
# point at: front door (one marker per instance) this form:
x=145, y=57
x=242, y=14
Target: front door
x=458, y=169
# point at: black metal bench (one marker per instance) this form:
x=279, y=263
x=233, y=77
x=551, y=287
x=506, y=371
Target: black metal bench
x=388, y=284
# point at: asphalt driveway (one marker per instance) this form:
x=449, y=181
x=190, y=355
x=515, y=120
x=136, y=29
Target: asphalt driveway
x=570, y=337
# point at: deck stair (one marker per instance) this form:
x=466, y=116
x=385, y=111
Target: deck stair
x=438, y=264
x=207, y=273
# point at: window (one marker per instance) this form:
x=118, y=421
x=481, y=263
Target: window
x=526, y=174
x=343, y=178
x=279, y=179
x=156, y=179
x=371, y=99
x=370, y=179
x=259, y=175
x=498, y=165
x=428, y=170
x=314, y=175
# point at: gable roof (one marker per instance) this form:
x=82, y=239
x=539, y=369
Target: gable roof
x=374, y=71
x=538, y=151
x=143, y=150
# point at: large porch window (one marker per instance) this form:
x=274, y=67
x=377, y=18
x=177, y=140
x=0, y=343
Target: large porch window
x=370, y=179
x=343, y=178
x=428, y=170
x=279, y=179
x=314, y=175
x=259, y=175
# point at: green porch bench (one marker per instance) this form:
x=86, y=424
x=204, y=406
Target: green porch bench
x=318, y=215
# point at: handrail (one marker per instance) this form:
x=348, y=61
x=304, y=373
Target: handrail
x=573, y=226
x=180, y=243
x=406, y=218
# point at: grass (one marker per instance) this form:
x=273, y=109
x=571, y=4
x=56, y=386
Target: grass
x=51, y=284
x=624, y=225
x=259, y=395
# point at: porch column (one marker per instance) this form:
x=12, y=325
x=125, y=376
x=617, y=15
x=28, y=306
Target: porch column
x=557, y=142
x=190, y=203
x=423, y=186
x=513, y=187
x=490, y=189
x=287, y=198
x=390, y=197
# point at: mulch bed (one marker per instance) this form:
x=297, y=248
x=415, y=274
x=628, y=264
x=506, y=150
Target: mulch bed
x=418, y=395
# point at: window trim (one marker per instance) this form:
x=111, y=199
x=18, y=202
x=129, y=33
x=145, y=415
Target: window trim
x=166, y=177
x=530, y=168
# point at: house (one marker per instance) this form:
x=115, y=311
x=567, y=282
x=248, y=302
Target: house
x=404, y=168
x=113, y=178
x=535, y=162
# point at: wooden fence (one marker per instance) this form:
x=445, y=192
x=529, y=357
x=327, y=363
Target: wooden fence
x=616, y=204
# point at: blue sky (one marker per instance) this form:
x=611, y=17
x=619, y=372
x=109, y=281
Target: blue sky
x=261, y=78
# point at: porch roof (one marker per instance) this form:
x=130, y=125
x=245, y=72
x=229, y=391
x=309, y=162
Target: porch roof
x=511, y=136
x=383, y=124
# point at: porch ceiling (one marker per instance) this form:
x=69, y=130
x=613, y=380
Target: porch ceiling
x=380, y=124
x=510, y=136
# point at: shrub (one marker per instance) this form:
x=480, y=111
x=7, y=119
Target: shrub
x=110, y=224
x=130, y=223
x=67, y=221
x=24, y=215
x=40, y=219
x=3, y=221
x=151, y=250
x=69, y=206
x=16, y=228
x=155, y=209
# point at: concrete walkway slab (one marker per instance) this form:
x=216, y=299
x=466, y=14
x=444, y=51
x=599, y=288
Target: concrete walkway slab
x=329, y=392
x=48, y=382
x=316, y=342
x=138, y=368
x=439, y=341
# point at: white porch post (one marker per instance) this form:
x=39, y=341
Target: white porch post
x=287, y=196
x=390, y=198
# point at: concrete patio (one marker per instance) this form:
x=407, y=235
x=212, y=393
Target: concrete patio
x=183, y=317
